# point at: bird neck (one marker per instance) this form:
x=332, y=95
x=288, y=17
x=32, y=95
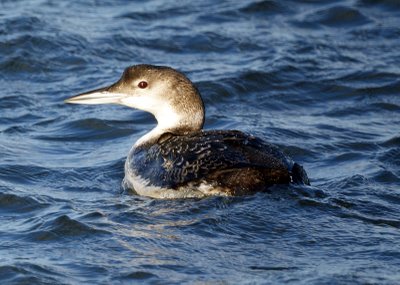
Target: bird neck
x=173, y=122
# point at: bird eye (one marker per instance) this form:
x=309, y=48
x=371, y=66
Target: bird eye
x=142, y=84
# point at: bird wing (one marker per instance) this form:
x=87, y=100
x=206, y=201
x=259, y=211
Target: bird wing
x=176, y=160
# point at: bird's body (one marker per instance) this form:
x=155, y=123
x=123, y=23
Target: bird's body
x=207, y=163
x=178, y=159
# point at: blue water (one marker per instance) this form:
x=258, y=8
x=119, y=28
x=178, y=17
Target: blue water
x=321, y=79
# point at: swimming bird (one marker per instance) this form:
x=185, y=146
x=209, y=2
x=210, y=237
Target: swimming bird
x=178, y=159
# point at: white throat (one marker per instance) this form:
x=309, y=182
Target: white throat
x=177, y=116
x=167, y=120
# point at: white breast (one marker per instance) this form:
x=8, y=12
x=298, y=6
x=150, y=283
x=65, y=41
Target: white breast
x=142, y=187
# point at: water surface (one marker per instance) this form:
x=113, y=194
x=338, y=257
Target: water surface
x=321, y=79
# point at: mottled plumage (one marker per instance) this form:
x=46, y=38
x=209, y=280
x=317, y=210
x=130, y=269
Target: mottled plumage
x=235, y=162
x=177, y=158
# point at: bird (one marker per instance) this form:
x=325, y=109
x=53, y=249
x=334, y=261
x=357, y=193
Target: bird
x=178, y=158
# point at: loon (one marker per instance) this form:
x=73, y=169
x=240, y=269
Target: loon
x=178, y=159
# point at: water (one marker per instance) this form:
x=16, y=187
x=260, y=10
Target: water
x=321, y=79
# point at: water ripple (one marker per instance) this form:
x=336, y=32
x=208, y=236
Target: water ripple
x=318, y=78
x=63, y=227
x=16, y=204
